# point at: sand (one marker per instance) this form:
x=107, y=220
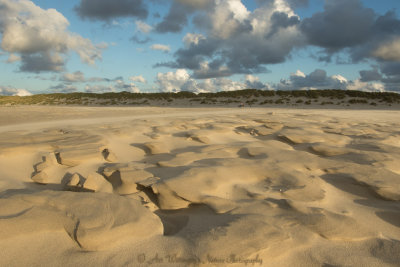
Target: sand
x=89, y=186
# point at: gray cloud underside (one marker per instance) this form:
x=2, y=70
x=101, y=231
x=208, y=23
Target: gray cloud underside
x=41, y=62
x=63, y=88
x=238, y=45
x=348, y=24
x=370, y=75
x=177, y=17
x=388, y=73
x=343, y=26
x=316, y=79
x=175, y=20
x=292, y=3
x=106, y=9
x=138, y=40
x=343, y=23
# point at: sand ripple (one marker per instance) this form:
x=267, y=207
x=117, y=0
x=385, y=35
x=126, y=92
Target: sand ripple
x=304, y=188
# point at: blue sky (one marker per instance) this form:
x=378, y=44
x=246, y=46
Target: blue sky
x=199, y=45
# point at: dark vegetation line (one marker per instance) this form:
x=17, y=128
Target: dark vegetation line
x=127, y=98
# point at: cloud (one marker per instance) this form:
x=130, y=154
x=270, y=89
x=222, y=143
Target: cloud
x=214, y=69
x=139, y=78
x=128, y=87
x=370, y=81
x=180, y=80
x=63, y=88
x=177, y=16
x=370, y=75
x=391, y=75
x=42, y=62
x=253, y=82
x=220, y=84
x=172, y=81
x=136, y=39
x=11, y=91
x=175, y=20
x=118, y=23
x=196, y=4
x=389, y=51
x=102, y=79
x=41, y=46
x=298, y=3
x=236, y=40
x=346, y=25
x=13, y=58
x=282, y=20
x=390, y=68
x=366, y=86
x=161, y=47
x=106, y=10
x=69, y=79
x=53, y=77
x=317, y=79
x=230, y=39
x=192, y=38
x=77, y=76
x=119, y=86
x=343, y=23
x=98, y=89
x=143, y=27
x=227, y=18
x=386, y=73
x=291, y=3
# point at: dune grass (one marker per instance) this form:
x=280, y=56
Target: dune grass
x=248, y=96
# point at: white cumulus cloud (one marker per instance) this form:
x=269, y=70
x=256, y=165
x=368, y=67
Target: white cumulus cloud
x=366, y=86
x=41, y=37
x=143, y=27
x=138, y=78
x=11, y=91
x=161, y=47
x=172, y=81
x=77, y=76
x=180, y=80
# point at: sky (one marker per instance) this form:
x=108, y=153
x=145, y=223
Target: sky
x=99, y=46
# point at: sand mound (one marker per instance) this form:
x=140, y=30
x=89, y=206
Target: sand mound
x=91, y=221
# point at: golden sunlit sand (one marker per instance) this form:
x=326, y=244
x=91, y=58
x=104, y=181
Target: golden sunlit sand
x=122, y=186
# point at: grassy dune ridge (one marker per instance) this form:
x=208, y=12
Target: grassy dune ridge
x=250, y=97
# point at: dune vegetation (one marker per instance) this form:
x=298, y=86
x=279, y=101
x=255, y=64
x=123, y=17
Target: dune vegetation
x=249, y=97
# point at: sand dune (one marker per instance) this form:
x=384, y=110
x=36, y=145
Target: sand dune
x=199, y=187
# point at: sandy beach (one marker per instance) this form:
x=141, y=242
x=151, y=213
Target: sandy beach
x=146, y=186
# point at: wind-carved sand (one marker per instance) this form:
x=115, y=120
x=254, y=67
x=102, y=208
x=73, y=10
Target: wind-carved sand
x=200, y=187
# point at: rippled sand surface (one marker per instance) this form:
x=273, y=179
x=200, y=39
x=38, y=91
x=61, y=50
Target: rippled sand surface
x=199, y=187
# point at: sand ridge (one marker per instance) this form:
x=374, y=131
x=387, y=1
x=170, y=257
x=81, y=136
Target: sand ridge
x=201, y=187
